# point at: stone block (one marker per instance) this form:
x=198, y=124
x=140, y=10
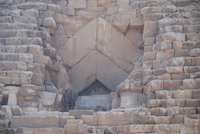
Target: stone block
x=68, y=11
x=171, y=84
x=154, y=103
x=78, y=113
x=41, y=6
x=166, y=45
x=174, y=70
x=189, y=84
x=182, y=94
x=61, y=18
x=79, y=79
x=25, y=57
x=77, y=4
x=163, y=119
x=150, y=29
x=108, y=73
x=192, y=103
x=136, y=23
x=112, y=10
x=162, y=55
x=35, y=49
x=166, y=128
x=47, y=98
x=136, y=87
x=12, y=99
x=63, y=120
x=149, y=56
x=90, y=120
x=34, y=121
x=16, y=111
x=105, y=3
x=155, y=85
x=168, y=103
x=49, y=130
x=163, y=94
x=49, y=22
x=193, y=37
x=91, y=3
x=128, y=99
x=41, y=59
x=114, y=118
x=140, y=128
x=177, y=45
x=188, y=45
x=28, y=90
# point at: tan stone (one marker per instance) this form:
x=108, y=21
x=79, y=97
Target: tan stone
x=90, y=120
x=171, y=84
x=155, y=85
x=140, y=128
x=114, y=118
x=109, y=73
x=34, y=121
x=77, y=4
x=106, y=2
x=150, y=29
x=136, y=23
x=168, y=54
x=16, y=111
x=60, y=18
x=79, y=79
x=49, y=22
x=47, y=98
x=149, y=56
x=28, y=89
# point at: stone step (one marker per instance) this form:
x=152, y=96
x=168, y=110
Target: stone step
x=178, y=94
x=153, y=103
x=21, y=33
x=77, y=113
x=26, y=41
x=173, y=111
x=145, y=128
x=6, y=19
x=18, y=26
x=40, y=131
x=39, y=121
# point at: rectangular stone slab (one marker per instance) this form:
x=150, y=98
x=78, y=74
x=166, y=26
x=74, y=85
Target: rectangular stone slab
x=34, y=121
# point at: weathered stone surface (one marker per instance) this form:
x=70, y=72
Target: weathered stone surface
x=108, y=73
x=34, y=121
x=49, y=22
x=150, y=29
x=16, y=111
x=109, y=37
x=114, y=118
x=140, y=128
x=78, y=113
x=47, y=98
x=82, y=79
x=77, y=4
x=76, y=49
x=90, y=120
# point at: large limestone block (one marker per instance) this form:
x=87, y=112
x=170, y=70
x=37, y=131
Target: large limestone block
x=140, y=128
x=128, y=99
x=78, y=113
x=49, y=130
x=12, y=99
x=34, y=121
x=28, y=90
x=49, y=22
x=77, y=4
x=108, y=72
x=150, y=29
x=114, y=118
x=47, y=98
x=79, y=45
x=90, y=120
x=84, y=73
x=114, y=44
